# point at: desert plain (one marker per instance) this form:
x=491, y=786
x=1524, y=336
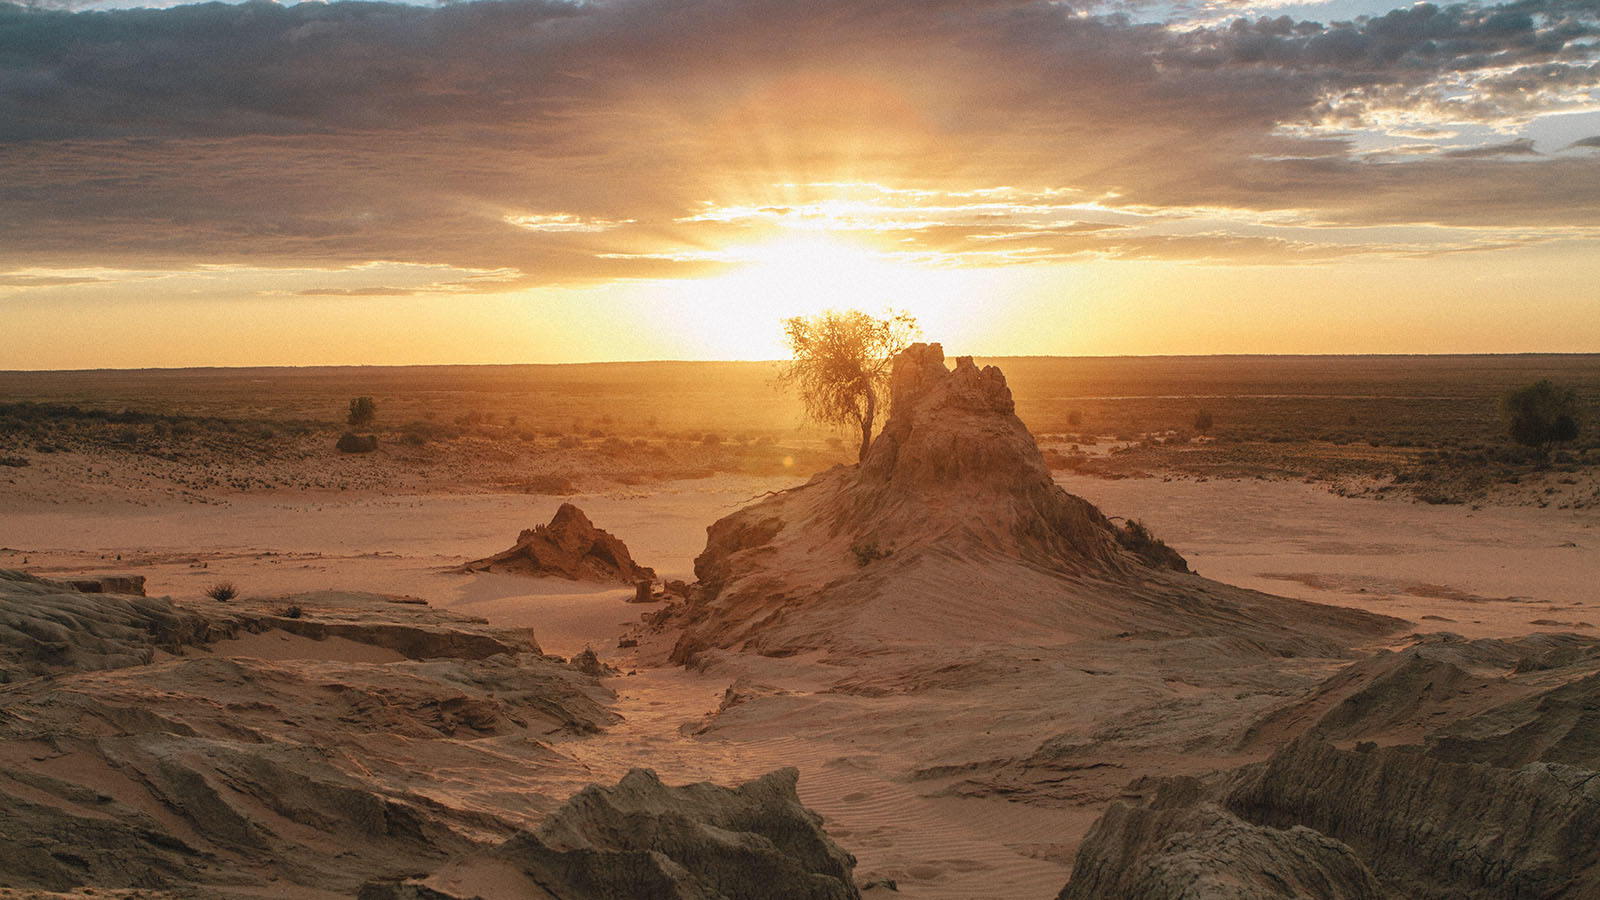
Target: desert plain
x=987, y=688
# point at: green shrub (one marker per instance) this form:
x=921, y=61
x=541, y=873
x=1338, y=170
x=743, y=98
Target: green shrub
x=1540, y=414
x=362, y=411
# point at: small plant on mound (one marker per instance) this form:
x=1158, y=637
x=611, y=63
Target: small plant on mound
x=293, y=611
x=351, y=442
x=868, y=551
x=223, y=591
x=1135, y=536
x=15, y=462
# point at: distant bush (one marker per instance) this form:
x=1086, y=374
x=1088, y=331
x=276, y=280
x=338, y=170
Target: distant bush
x=550, y=483
x=1540, y=415
x=223, y=591
x=418, y=433
x=569, y=442
x=1075, y=418
x=711, y=439
x=362, y=411
x=1203, y=421
x=350, y=442
x=15, y=462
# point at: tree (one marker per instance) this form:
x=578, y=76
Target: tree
x=1540, y=414
x=1203, y=421
x=841, y=364
x=362, y=411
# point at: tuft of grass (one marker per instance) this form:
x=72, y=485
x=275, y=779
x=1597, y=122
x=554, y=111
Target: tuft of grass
x=222, y=591
x=868, y=551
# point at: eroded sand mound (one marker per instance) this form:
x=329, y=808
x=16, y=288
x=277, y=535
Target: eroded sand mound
x=374, y=738
x=952, y=529
x=1497, y=801
x=569, y=547
x=644, y=840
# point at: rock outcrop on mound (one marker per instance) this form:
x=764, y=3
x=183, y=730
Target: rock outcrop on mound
x=569, y=547
x=50, y=627
x=1498, y=801
x=644, y=840
x=259, y=754
x=132, y=585
x=951, y=526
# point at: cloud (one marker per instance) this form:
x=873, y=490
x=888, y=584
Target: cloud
x=375, y=291
x=577, y=142
x=19, y=279
x=1519, y=147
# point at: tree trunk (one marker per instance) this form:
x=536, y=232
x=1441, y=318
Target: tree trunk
x=866, y=423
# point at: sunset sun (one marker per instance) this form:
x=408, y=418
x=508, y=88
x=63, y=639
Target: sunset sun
x=737, y=313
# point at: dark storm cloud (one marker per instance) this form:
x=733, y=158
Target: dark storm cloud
x=1423, y=38
x=326, y=134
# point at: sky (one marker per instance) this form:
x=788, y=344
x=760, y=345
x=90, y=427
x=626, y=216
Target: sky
x=502, y=181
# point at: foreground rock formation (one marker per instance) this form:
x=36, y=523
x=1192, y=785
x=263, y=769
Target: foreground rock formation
x=318, y=741
x=1496, y=796
x=952, y=527
x=643, y=840
x=569, y=547
x=51, y=627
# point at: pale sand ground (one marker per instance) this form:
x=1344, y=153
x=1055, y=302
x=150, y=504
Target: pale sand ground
x=1493, y=571
x=1488, y=572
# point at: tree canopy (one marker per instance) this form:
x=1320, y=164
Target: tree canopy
x=1541, y=414
x=841, y=364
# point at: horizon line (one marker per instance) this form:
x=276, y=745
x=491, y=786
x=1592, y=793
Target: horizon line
x=692, y=361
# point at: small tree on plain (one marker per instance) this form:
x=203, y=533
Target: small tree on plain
x=362, y=411
x=1203, y=421
x=1540, y=414
x=841, y=364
